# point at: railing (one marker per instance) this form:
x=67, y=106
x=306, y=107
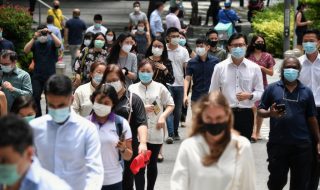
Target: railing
x=49, y=7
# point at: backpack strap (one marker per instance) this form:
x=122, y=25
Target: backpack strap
x=130, y=107
x=119, y=127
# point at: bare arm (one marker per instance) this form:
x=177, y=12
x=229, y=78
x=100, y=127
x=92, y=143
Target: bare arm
x=268, y=71
x=27, y=48
x=298, y=20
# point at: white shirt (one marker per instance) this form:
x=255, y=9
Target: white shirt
x=82, y=104
x=110, y=154
x=310, y=76
x=173, y=21
x=235, y=169
x=92, y=29
x=153, y=92
x=70, y=151
x=179, y=58
x=232, y=79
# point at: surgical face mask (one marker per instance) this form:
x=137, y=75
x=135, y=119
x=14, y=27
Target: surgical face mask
x=87, y=42
x=214, y=129
x=175, y=41
x=238, y=52
x=99, y=44
x=116, y=85
x=141, y=28
x=97, y=26
x=109, y=38
x=182, y=42
x=145, y=77
x=290, y=74
x=126, y=48
x=59, y=115
x=200, y=51
x=310, y=47
x=43, y=39
x=6, y=68
x=101, y=110
x=156, y=51
x=136, y=9
x=8, y=174
x=29, y=118
x=97, y=78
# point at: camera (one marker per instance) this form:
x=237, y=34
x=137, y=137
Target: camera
x=43, y=33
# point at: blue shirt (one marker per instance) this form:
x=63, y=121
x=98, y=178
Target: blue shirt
x=55, y=30
x=156, y=23
x=21, y=82
x=224, y=18
x=70, y=151
x=45, y=57
x=6, y=45
x=201, y=73
x=76, y=28
x=293, y=127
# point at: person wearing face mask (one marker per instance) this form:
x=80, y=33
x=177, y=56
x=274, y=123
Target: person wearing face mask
x=158, y=104
x=57, y=14
x=120, y=54
x=240, y=81
x=19, y=167
x=87, y=39
x=67, y=144
x=115, y=147
x=95, y=52
x=216, y=51
x=142, y=38
x=82, y=104
x=97, y=27
x=111, y=39
x=25, y=107
x=310, y=76
x=156, y=25
x=45, y=56
x=15, y=82
x=4, y=43
x=199, y=70
x=214, y=155
x=290, y=105
x=136, y=16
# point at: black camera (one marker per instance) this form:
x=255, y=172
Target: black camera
x=44, y=33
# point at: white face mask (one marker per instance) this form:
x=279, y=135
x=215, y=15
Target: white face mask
x=43, y=39
x=136, y=9
x=200, y=51
x=156, y=51
x=116, y=85
x=87, y=42
x=101, y=110
x=126, y=48
x=175, y=41
x=109, y=38
x=141, y=28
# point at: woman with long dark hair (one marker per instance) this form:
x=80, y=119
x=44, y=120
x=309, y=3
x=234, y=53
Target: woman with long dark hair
x=25, y=107
x=111, y=39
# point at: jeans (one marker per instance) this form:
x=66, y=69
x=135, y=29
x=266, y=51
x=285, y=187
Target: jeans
x=296, y=158
x=73, y=51
x=37, y=88
x=174, y=118
x=116, y=186
x=243, y=121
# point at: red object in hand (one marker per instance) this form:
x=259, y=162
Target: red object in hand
x=139, y=162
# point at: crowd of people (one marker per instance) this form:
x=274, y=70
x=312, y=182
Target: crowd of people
x=128, y=95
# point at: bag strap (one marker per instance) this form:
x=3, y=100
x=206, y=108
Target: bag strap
x=130, y=107
x=233, y=24
x=119, y=127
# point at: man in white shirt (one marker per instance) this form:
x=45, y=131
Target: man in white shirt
x=240, y=80
x=310, y=76
x=97, y=26
x=136, y=16
x=66, y=143
x=19, y=169
x=179, y=57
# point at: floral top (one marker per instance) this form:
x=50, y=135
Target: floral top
x=86, y=59
x=159, y=75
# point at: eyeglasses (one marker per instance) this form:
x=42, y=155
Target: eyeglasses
x=290, y=100
x=238, y=45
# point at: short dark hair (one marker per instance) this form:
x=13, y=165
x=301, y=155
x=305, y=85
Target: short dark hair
x=97, y=17
x=158, y=4
x=236, y=36
x=15, y=132
x=211, y=31
x=172, y=30
x=106, y=90
x=202, y=41
x=136, y=3
x=300, y=6
x=50, y=19
x=173, y=9
x=42, y=26
x=59, y=85
x=116, y=69
x=23, y=102
x=9, y=53
x=312, y=31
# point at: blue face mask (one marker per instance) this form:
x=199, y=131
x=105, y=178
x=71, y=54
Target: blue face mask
x=145, y=78
x=310, y=47
x=238, y=52
x=6, y=68
x=182, y=42
x=97, y=26
x=8, y=174
x=97, y=78
x=59, y=115
x=290, y=74
x=29, y=118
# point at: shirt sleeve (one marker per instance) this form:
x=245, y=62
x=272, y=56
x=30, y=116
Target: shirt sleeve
x=134, y=68
x=266, y=99
x=26, y=88
x=139, y=111
x=257, y=85
x=189, y=70
x=76, y=102
x=271, y=62
x=144, y=16
x=126, y=127
x=166, y=98
x=215, y=83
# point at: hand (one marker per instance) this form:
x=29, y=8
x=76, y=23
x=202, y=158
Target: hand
x=318, y=148
x=37, y=34
x=142, y=148
x=121, y=145
x=77, y=80
x=241, y=96
x=149, y=108
x=7, y=85
x=276, y=113
x=309, y=22
x=160, y=66
x=185, y=101
x=161, y=122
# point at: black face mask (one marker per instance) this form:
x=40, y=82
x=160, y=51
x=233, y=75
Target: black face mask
x=214, y=129
x=213, y=43
x=260, y=46
x=56, y=6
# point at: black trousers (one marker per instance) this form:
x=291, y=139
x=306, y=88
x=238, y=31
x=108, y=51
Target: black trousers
x=37, y=88
x=243, y=121
x=296, y=158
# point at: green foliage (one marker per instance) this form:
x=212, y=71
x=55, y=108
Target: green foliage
x=312, y=12
x=16, y=23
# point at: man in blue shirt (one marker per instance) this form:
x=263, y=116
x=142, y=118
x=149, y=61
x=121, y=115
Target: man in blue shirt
x=199, y=70
x=228, y=15
x=19, y=169
x=5, y=44
x=156, y=20
x=45, y=55
x=293, y=123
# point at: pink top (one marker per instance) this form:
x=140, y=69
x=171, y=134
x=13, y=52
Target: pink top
x=266, y=60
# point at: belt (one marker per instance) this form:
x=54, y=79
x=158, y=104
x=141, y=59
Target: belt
x=241, y=109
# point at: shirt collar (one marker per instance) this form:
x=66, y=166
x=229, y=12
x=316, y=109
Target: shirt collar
x=300, y=85
x=33, y=175
x=111, y=117
x=306, y=58
x=244, y=62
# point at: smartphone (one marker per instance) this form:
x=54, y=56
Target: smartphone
x=281, y=107
x=156, y=107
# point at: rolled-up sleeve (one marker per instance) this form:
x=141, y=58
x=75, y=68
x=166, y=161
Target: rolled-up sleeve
x=26, y=88
x=257, y=85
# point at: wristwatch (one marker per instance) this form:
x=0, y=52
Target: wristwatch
x=251, y=97
x=126, y=71
x=50, y=32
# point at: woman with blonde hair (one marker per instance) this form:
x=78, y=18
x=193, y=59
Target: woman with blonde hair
x=214, y=156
